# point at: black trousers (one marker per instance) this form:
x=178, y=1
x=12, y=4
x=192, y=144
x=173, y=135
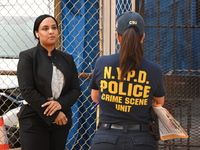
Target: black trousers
x=114, y=139
x=35, y=134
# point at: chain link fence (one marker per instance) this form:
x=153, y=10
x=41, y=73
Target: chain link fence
x=80, y=37
x=172, y=40
x=172, y=34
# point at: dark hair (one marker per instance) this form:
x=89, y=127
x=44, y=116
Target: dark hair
x=39, y=20
x=131, y=51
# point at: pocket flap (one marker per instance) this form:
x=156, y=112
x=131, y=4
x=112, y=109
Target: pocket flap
x=105, y=139
x=143, y=141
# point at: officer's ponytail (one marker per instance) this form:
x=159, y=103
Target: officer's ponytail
x=131, y=51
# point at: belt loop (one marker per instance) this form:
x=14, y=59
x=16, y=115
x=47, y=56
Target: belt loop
x=108, y=126
x=99, y=125
x=125, y=128
x=141, y=127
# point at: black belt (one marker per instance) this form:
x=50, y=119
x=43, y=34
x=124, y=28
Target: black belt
x=134, y=127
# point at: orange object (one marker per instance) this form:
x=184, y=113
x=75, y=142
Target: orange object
x=3, y=136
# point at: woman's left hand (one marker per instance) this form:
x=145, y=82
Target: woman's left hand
x=53, y=106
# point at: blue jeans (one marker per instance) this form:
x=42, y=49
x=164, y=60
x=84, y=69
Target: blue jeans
x=114, y=139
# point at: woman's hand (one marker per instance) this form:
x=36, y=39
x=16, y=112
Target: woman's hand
x=61, y=119
x=53, y=106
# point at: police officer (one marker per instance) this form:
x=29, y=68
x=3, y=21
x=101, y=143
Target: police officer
x=125, y=85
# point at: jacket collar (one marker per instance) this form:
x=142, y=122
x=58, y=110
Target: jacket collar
x=43, y=50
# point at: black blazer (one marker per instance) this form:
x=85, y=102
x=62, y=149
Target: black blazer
x=34, y=72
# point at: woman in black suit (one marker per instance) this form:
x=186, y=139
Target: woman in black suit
x=48, y=81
